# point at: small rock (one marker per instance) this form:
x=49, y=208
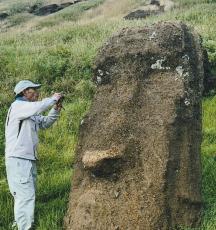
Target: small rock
x=155, y=2
x=48, y=9
x=33, y=8
x=138, y=14
x=3, y=15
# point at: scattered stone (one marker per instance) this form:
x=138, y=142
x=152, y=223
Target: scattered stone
x=33, y=8
x=156, y=115
x=138, y=14
x=153, y=8
x=155, y=2
x=50, y=9
x=144, y=12
x=3, y=15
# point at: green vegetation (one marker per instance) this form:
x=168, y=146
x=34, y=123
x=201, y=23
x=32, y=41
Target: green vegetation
x=58, y=51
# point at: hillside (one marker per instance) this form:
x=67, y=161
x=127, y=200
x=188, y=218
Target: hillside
x=58, y=50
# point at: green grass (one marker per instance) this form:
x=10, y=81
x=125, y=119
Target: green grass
x=59, y=51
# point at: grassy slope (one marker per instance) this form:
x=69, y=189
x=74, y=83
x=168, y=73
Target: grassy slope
x=58, y=50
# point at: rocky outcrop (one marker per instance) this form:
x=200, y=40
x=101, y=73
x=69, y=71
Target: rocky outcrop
x=145, y=11
x=3, y=15
x=140, y=14
x=50, y=9
x=155, y=2
x=154, y=7
x=137, y=161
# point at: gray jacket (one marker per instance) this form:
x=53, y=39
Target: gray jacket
x=22, y=125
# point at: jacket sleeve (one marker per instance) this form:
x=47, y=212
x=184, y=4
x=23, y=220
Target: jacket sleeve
x=46, y=121
x=26, y=109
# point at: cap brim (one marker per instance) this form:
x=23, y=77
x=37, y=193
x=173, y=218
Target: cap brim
x=35, y=86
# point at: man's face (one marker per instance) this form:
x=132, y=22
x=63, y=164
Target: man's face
x=31, y=94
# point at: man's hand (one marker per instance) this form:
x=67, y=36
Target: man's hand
x=58, y=107
x=56, y=96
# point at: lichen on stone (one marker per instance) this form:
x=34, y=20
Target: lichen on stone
x=99, y=79
x=158, y=64
x=153, y=35
x=180, y=70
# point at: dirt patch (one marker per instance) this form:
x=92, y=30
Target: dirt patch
x=138, y=157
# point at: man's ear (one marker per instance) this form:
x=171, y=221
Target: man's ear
x=24, y=92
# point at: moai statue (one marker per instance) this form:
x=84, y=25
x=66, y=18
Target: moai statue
x=138, y=161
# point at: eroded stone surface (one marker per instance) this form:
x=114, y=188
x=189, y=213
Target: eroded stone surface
x=148, y=99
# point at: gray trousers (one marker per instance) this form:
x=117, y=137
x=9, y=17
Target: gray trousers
x=21, y=177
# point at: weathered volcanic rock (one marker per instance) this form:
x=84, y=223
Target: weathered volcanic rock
x=155, y=2
x=145, y=11
x=137, y=163
x=138, y=14
x=48, y=9
x=33, y=8
x=3, y=15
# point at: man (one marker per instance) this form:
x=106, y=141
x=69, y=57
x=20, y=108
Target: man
x=21, y=134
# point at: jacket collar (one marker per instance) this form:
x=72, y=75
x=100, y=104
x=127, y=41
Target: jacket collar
x=21, y=99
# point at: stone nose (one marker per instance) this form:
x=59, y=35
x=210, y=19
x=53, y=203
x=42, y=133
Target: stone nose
x=94, y=159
